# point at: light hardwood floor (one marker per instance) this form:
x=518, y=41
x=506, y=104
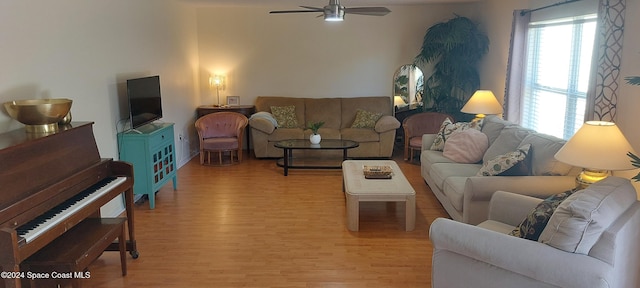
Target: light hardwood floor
x=249, y=226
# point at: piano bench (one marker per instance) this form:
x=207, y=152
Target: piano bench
x=69, y=255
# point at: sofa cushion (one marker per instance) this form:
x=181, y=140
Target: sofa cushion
x=544, y=148
x=430, y=157
x=365, y=119
x=508, y=140
x=285, y=116
x=448, y=127
x=466, y=146
x=351, y=105
x=439, y=172
x=325, y=133
x=535, y=222
x=579, y=221
x=325, y=110
x=360, y=135
x=493, y=125
x=509, y=164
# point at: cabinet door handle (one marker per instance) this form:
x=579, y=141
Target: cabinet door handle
x=162, y=137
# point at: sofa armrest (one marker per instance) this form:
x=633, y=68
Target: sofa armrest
x=525, y=257
x=511, y=208
x=427, y=140
x=479, y=189
x=262, y=124
x=387, y=123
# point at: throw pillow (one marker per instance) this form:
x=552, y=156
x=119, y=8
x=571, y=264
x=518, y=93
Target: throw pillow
x=532, y=226
x=365, y=119
x=285, y=116
x=466, y=146
x=514, y=163
x=546, y=146
x=448, y=127
x=579, y=221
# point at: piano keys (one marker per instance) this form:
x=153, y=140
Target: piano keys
x=58, y=214
x=50, y=183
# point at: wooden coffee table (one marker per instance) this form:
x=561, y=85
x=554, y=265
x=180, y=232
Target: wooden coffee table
x=359, y=189
x=288, y=161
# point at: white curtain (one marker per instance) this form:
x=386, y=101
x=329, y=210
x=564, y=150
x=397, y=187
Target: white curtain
x=516, y=66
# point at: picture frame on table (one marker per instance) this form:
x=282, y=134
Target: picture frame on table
x=233, y=100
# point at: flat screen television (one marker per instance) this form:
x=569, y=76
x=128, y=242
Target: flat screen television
x=145, y=103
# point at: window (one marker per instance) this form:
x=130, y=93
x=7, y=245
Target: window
x=557, y=75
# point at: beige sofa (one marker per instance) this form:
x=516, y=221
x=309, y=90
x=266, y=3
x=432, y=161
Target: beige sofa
x=490, y=258
x=466, y=196
x=338, y=115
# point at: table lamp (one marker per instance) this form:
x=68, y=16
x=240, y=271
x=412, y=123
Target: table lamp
x=218, y=82
x=598, y=147
x=398, y=101
x=482, y=102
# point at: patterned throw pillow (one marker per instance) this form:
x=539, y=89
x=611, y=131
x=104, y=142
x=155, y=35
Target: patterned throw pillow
x=532, y=226
x=516, y=163
x=448, y=127
x=365, y=119
x=285, y=115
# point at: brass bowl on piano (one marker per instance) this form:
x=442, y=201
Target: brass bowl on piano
x=41, y=115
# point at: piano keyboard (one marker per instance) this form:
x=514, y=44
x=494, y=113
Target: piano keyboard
x=58, y=214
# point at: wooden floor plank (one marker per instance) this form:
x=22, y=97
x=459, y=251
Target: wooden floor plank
x=247, y=225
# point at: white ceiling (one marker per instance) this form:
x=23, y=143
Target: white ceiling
x=319, y=3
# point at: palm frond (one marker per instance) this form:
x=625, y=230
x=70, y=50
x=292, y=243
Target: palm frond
x=633, y=80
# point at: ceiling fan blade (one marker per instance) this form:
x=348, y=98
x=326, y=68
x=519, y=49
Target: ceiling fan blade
x=313, y=8
x=293, y=11
x=371, y=11
x=310, y=9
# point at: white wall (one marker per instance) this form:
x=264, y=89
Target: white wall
x=300, y=55
x=86, y=49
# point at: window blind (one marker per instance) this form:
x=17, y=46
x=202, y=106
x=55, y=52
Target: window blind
x=557, y=75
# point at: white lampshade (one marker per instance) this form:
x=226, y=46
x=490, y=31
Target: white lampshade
x=482, y=102
x=397, y=101
x=598, y=145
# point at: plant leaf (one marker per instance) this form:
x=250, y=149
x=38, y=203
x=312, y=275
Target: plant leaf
x=633, y=80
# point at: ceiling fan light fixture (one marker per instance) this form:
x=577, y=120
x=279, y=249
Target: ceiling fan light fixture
x=333, y=13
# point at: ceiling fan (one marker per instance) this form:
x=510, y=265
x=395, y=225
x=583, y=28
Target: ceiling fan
x=335, y=12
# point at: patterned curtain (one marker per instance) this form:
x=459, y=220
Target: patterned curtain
x=602, y=98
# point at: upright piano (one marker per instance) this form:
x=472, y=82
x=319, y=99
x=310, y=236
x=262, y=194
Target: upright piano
x=48, y=184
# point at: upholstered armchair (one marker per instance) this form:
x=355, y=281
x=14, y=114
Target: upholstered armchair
x=605, y=239
x=221, y=132
x=416, y=125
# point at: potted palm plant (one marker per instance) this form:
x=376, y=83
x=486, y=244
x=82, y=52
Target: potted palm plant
x=635, y=160
x=315, y=126
x=454, y=48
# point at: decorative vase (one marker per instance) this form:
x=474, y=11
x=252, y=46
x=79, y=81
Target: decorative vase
x=315, y=138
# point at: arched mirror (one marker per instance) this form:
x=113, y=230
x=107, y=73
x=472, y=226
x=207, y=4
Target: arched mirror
x=408, y=84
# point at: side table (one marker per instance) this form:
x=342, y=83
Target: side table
x=246, y=110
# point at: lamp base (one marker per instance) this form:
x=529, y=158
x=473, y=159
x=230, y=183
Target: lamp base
x=588, y=177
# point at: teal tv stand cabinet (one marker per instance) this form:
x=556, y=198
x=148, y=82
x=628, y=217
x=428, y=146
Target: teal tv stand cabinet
x=151, y=151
